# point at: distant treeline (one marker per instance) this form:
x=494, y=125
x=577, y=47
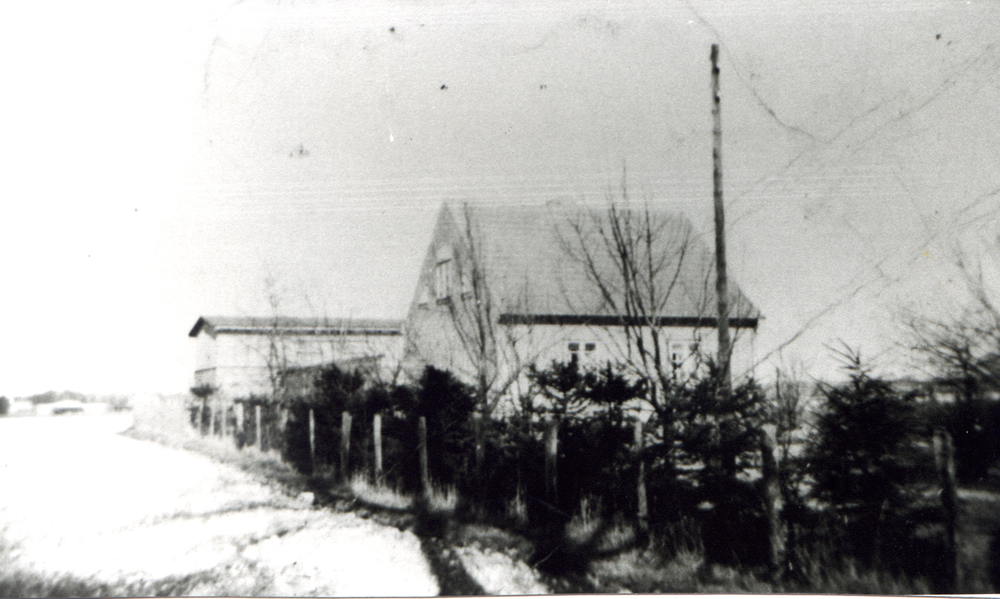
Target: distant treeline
x=54, y=396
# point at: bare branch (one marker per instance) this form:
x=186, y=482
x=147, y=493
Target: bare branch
x=638, y=260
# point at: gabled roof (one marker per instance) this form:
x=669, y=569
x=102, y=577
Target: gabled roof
x=533, y=275
x=267, y=325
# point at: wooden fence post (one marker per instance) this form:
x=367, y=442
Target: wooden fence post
x=477, y=431
x=268, y=415
x=345, y=444
x=206, y=414
x=377, y=441
x=425, y=478
x=241, y=425
x=225, y=419
x=258, y=432
x=278, y=428
x=312, y=441
x=772, y=501
x=944, y=458
x=551, y=471
x=642, y=512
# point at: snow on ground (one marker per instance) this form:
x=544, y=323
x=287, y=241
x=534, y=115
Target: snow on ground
x=499, y=574
x=77, y=498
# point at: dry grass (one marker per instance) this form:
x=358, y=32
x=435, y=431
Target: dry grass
x=979, y=541
x=379, y=495
x=19, y=581
x=642, y=571
x=618, y=563
x=22, y=583
x=586, y=522
x=442, y=500
x=849, y=579
x=517, y=509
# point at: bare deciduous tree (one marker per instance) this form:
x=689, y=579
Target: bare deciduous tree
x=461, y=328
x=277, y=349
x=495, y=352
x=962, y=349
x=647, y=266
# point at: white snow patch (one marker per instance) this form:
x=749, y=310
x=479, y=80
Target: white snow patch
x=76, y=498
x=499, y=574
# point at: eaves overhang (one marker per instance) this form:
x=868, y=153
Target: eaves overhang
x=607, y=320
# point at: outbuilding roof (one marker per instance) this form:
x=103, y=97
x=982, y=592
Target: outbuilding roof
x=267, y=325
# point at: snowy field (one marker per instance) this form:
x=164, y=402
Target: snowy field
x=76, y=498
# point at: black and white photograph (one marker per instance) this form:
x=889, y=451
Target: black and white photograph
x=394, y=298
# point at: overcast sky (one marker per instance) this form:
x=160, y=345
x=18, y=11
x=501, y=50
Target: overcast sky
x=166, y=160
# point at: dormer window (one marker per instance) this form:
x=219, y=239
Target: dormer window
x=425, y=297
x=442, y=279
x=466, y=285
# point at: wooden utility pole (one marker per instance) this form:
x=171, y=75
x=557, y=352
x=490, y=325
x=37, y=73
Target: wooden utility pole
x=721, y=281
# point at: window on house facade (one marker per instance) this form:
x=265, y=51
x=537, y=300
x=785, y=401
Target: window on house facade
x=680, y=353
x=582, y=350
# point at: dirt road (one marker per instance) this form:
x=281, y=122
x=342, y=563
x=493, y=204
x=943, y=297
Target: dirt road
x=78, y=499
